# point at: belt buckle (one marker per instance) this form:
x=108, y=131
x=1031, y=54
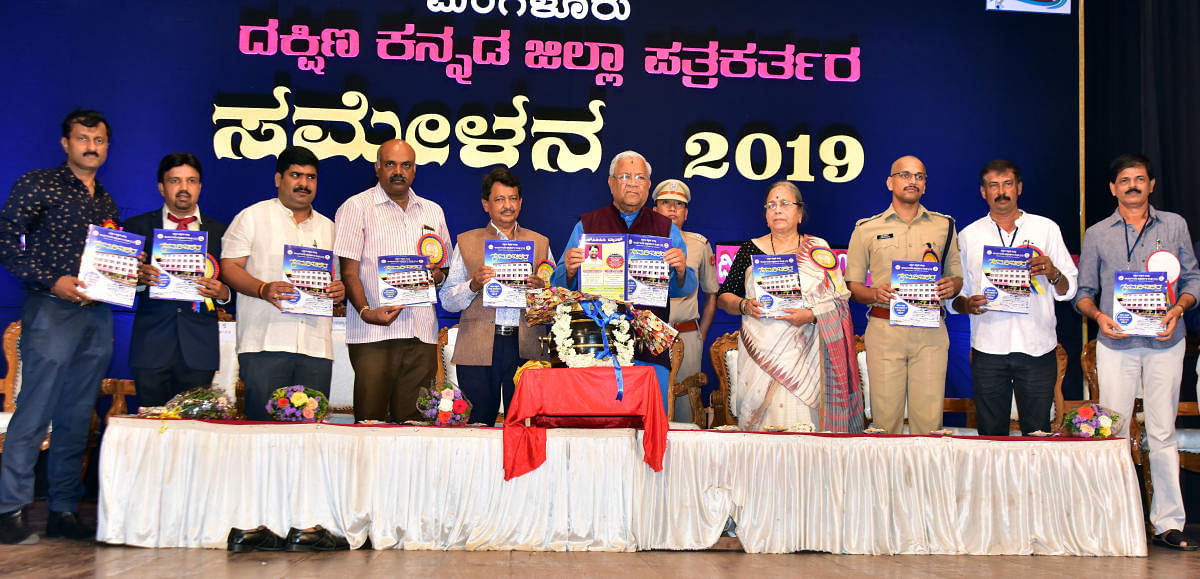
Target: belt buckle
x=505, y=330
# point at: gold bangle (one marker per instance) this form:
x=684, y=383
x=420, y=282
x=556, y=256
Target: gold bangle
x=364, y=308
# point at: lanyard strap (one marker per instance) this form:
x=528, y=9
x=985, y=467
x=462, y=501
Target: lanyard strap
x=1001, y=233
x=1128, y=249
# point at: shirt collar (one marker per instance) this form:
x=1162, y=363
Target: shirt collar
x=195, y=213
x=516, y=229
x=68, y=176
x=922, y=213
x=380, y=197
x=1116, y=219
x=282, y=209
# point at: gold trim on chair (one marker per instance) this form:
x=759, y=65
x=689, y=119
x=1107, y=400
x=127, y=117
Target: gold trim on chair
x=720, y=398
x=689, y=386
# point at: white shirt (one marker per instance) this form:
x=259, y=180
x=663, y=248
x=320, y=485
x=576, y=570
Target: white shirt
x=259, y=233
x=456, y=294
x=370, y=224
x=193, y=226
x=1032, y=333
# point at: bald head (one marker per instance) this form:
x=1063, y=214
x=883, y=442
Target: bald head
x=906, y=180
x=396, y=166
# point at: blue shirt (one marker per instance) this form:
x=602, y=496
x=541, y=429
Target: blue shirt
x=1104, y=253
x=52, y=209
x=673, y=289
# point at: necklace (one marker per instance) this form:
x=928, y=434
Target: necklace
x=772, y=237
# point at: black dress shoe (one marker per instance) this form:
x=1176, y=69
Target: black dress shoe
x=13, y=530
x=257, y=539
x=318, y=539
x=68, y=524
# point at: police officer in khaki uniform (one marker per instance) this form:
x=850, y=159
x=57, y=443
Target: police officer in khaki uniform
x=905, y=364
x=671, y=198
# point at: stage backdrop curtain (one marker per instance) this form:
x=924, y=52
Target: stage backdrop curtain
x=186, y=483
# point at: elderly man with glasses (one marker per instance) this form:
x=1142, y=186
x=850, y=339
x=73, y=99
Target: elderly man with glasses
x=629, y=183
x=906, y=364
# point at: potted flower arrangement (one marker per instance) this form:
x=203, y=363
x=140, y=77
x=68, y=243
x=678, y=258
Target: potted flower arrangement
x=297, y=404
x=1090, y=421
x=444, y=405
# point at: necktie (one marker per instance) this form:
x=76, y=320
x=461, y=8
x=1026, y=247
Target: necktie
x=181, y=223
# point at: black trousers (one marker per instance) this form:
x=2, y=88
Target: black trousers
x=485, y=386
x=264, y=372
x=155, y=386
x=998, y=377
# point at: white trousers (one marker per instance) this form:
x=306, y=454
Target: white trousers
x=1157, y=373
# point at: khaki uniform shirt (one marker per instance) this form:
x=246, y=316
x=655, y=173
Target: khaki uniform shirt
x=699, y=258
x=882, y=238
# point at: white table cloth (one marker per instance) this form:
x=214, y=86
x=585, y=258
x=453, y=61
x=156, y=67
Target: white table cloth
x=186, y=483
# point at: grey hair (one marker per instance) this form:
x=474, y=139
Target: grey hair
x=792, y=188
x=612, y=167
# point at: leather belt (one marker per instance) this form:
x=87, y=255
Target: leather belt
x=688, y=326
x=881, y=313
x=506, y=330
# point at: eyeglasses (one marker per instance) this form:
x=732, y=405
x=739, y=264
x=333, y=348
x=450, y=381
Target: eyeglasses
x=907, y=176
x=782, y=205
x=635, y=179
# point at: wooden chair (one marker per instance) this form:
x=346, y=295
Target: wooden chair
x=720, y=398
x=442, y=344
x=10, y=386
x=689, y=386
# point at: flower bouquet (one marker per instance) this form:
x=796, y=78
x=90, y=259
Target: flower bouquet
x=444, y=405
x=205, y=402
x=297, y=404
x=1090, y=420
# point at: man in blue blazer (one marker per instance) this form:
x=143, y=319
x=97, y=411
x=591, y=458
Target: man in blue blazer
x=174, y=346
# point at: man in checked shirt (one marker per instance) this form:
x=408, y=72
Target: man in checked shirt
x=66, y=339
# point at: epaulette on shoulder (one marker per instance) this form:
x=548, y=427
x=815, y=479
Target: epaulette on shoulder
x=866, y=219
x=699, y=237
x=943, y=215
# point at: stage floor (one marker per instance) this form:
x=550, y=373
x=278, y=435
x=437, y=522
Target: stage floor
x=63, y=558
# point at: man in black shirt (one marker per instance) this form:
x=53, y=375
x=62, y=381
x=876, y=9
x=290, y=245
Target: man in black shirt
x=66, y=339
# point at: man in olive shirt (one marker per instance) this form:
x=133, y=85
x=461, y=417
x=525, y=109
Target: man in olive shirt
x=906, y=364
x=671, y=199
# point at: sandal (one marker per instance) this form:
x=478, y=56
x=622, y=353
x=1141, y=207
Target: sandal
x=1176, y=539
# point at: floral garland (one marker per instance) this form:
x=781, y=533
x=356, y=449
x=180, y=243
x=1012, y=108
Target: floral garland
x=622, y=343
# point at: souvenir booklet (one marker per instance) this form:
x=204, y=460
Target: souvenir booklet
x=512, y=261
x=1140, y=302
x=776, y=284
x=180, y=255
x=405, y=280
x=308, y=269
x=1005, y=280
x=109, y=265
x=647, y=273
x=603, y=269
x=916, y=284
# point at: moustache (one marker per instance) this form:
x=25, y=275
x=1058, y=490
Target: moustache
x=1133, y=190
x=183, y=193
x=301, y=189
x=398, y=179
x=1003, y=198
x=91, y=154
x=911, y=188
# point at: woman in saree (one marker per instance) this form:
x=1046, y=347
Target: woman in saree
x=799, y=367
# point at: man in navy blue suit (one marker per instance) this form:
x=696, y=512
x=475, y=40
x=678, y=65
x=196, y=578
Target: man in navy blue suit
x=174, y=346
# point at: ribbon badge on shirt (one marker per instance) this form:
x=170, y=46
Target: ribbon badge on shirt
x=544, y=270
x=593, y=311
x=1166, y=262
x=432, y=246
x=211, y=271
x=826, y=260
x=1033, y=282
x=930, y=255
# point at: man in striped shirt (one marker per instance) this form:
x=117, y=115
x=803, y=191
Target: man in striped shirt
x=393, y=349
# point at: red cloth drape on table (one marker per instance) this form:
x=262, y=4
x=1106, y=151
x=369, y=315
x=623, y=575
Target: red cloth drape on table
x=580, y=392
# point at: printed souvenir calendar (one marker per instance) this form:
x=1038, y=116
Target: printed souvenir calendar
x=1140, y=302
x=776, y=284
x=310, y=270
x=512, y=260
x=109, y=265
x=916, y=284
x=603, y=269
x=180, y=256
x=405, y=280
x=647, y=273
x=1006, y=281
